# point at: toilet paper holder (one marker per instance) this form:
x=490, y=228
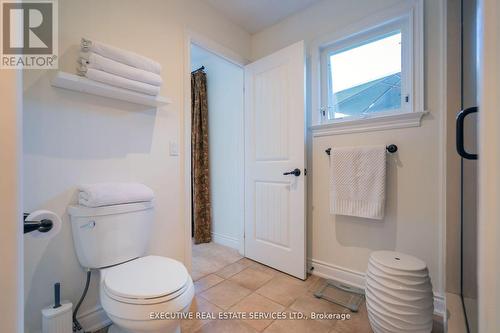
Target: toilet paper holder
x=44, y=225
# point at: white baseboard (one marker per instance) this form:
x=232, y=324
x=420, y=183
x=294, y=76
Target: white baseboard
x=94, y=319
x=228, y=241
x=357, y=279
x=341, y=274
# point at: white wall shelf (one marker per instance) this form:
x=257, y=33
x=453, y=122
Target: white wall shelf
x=81, y=84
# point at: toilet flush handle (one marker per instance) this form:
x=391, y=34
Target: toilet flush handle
x=89, y=225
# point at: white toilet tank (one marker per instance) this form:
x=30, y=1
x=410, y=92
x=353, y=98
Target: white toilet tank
x=110, y=235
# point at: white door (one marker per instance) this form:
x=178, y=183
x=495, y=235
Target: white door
x=275, y=228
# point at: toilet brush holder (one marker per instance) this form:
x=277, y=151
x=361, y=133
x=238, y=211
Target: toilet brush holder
x=58, y=318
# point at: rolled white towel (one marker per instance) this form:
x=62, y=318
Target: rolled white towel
x=106, y=194
x=96, y=61
x=123, y=56
x=118, y=81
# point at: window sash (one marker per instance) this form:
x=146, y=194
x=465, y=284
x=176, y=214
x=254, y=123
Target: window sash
x=402, y=24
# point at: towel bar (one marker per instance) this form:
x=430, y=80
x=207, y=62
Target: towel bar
x=392, y=148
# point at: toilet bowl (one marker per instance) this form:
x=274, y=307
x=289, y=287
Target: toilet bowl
x=147, y=294
x=139, y=293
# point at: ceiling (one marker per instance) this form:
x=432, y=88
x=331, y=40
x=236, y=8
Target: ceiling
x=256, y=15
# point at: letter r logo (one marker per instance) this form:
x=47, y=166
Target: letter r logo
x=27, y=27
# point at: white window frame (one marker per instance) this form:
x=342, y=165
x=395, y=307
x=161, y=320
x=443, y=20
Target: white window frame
x=407, y=17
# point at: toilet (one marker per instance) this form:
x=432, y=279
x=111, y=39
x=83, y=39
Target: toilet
x=140, y=294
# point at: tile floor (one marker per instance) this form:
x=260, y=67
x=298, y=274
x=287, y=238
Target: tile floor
x=210, y=257
x=247, y=286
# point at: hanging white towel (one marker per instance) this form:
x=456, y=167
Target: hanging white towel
x=96, y=61
x=118, y=81
x=123, y=56
x=357, y=181
x=106, y=194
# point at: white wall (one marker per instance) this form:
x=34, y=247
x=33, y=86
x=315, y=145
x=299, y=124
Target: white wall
x=11, y=270
x=340, y=245
x=72, y=138
x=489, y=164
x=226, y=144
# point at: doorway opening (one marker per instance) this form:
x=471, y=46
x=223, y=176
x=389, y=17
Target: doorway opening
x=217, y=161
x=244, y=132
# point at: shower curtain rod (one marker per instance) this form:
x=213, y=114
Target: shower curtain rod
x=199, y=69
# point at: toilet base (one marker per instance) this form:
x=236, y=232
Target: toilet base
x=115, y=329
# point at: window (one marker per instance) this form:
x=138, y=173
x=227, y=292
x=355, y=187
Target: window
x=366, y=78
x=373, y=70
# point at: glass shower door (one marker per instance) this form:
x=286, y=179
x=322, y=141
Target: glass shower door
x=467, y=146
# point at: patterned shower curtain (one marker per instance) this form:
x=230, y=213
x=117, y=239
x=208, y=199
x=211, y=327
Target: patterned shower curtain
x=200, y=177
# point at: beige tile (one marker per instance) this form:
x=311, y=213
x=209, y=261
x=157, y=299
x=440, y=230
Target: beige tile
x=225, y=294
x=316, y=284
x=251, y=278
x=307, y=304
x=246, y=261
x=207, y=282
x=198, y=306
x=231, y=270
x=312, y=279
x=257, y=303
x=266, y=269
x=284, y=289
x=358, y=323
x=256, y=265
x=210, y=257
x=226, y=326
x=297, y=326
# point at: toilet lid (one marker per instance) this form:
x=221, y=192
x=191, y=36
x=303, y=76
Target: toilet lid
x=398, y=261
x=146, y=277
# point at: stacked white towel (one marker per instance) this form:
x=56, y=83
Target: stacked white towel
x=106, y=194
x=119, y=68
x=121, y=82
x=357, y=181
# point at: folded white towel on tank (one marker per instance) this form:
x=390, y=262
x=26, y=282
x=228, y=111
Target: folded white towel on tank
x=357, y=181
x=96, y=61
x=123, y=56
x=106, y=194
x=118, y=81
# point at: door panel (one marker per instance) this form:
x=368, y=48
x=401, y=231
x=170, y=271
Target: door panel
x=271, y=213
x=275, y=144
x=271, y=124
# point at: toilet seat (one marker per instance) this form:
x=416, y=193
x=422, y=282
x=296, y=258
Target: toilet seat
x=146, y=280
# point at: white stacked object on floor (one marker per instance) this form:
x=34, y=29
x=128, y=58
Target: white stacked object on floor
x=399, y=294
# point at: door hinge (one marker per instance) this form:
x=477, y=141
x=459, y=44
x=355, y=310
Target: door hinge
x=407, y=98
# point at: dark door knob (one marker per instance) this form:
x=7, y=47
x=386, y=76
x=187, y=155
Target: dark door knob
x=295, y=172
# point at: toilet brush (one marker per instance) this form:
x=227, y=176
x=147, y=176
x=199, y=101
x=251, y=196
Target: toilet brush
x=57, y=318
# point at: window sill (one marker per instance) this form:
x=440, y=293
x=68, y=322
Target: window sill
x=401, y=120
